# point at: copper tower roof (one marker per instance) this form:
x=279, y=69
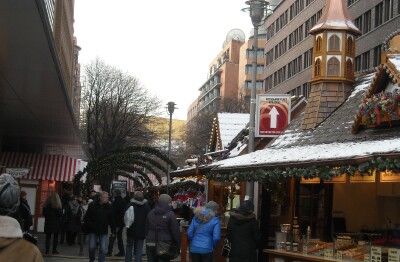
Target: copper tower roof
x=335, y=17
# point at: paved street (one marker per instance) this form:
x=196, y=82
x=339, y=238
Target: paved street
x=71, y=253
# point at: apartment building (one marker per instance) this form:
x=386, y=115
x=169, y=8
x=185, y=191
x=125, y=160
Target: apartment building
x=289, y=47
x=230, y=73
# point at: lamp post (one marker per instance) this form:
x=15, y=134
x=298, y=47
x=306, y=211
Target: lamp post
x=257, y=11
x=171, y=108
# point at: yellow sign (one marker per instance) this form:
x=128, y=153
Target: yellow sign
x=389, y=176
x=365, y=178
x=314, y=180
x=337, y=179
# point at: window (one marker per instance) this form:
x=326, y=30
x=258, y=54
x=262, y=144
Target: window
x=388, y=5
x=350, y=46
x=377, y=55
x=349, y=69
x=358, y=23
x=365, y=60
x=317, y=68
x=318, y=44
x=367, y=22
x=333, y=67
x=334, y=43
x=306, y=88
x=268, y=83
x=378, y=14
x=358, y=63
x=308, y=58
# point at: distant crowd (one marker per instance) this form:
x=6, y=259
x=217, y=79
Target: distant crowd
x=152, y=228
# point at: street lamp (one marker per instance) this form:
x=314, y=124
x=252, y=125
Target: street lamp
x=171, y=108
x=257, y=12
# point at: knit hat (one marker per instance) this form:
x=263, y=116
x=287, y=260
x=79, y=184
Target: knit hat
x=165, y=198
x=213, y=206
x=9, y=194
x=246, y=206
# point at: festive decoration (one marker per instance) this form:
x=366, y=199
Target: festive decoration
x=125, y=162
x=265, y=176
x=379, y=106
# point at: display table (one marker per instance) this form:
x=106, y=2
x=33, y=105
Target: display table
x=294, y=256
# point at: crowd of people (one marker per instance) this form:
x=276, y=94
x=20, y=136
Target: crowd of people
x=149, y=226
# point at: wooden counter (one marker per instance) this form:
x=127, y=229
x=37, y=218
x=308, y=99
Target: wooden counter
x=185, y=256
x=294, y=256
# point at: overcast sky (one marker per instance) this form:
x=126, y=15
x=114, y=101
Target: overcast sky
x=167, y=45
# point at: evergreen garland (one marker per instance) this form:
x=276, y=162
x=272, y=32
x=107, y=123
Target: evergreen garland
x=268, y=175
x=121, y=163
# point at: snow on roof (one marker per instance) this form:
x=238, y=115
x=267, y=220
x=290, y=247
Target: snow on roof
x=296, y=145
x=313, y=153
x=230, y=124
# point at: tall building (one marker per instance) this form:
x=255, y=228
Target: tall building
x=230, y=75
x=246, y=66
x=289, y=46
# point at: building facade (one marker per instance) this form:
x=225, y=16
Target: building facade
x=289, y=46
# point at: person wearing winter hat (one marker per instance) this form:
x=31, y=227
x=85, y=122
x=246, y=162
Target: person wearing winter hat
x=243, y=233
x=161, y=225
x=204, y=233
x=11, y=237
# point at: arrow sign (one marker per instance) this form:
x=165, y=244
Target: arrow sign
x=274, y=117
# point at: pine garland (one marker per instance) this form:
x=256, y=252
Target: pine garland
x=265, y=176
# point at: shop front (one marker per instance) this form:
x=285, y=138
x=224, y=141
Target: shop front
x=42, y=175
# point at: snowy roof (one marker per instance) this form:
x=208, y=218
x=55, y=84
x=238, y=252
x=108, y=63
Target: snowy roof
x=331, y=140
x=230, y=124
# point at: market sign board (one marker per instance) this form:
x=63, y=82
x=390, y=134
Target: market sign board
x=314, y=180
x=337, y=179
x=17, y=172
x=389, y=176
x=273, y=114
x=365, y=178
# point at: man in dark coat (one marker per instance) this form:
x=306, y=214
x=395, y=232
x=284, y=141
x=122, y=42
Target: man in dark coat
x=118, y=207
x=97, y=220
x=161, y=221
x=243, y=233
x=136, y=232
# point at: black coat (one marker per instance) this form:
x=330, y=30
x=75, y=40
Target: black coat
x=26, y=215
x=72, y=217
x=138, y=229
x=52, y=219
x=244, y=235
x=119, y=206
x=98, y=217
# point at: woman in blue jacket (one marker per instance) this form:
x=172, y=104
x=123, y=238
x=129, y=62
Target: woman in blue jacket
x=204, y=233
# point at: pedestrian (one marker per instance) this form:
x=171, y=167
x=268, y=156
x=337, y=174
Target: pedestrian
x=13, y=247
x=97, y=220
x=161, y=224
x=243, y=233
x=52, y=212
x=83, y=206
x=118, y=206
x=136, y=229
x=72, y=218
x=204, y=233
x=25, y=212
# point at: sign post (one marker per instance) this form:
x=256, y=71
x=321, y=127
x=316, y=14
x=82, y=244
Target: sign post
x=273, y=114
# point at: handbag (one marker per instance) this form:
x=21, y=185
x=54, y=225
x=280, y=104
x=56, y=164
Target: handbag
x=165, y=249
x=226, y=249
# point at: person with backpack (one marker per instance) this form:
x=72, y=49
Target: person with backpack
x=135, y=222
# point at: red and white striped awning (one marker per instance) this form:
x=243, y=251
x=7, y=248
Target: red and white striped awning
x=45, y=167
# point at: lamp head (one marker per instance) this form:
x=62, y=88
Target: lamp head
x=257, y=10
x=171, y=107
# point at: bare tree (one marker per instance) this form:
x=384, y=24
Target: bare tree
x=198, y=132
x=115, y=109
x=235, y=105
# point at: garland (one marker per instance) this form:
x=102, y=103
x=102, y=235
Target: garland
x=268, y=176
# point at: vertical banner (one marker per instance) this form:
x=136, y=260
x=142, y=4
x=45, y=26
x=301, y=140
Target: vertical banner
x=273, y=114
